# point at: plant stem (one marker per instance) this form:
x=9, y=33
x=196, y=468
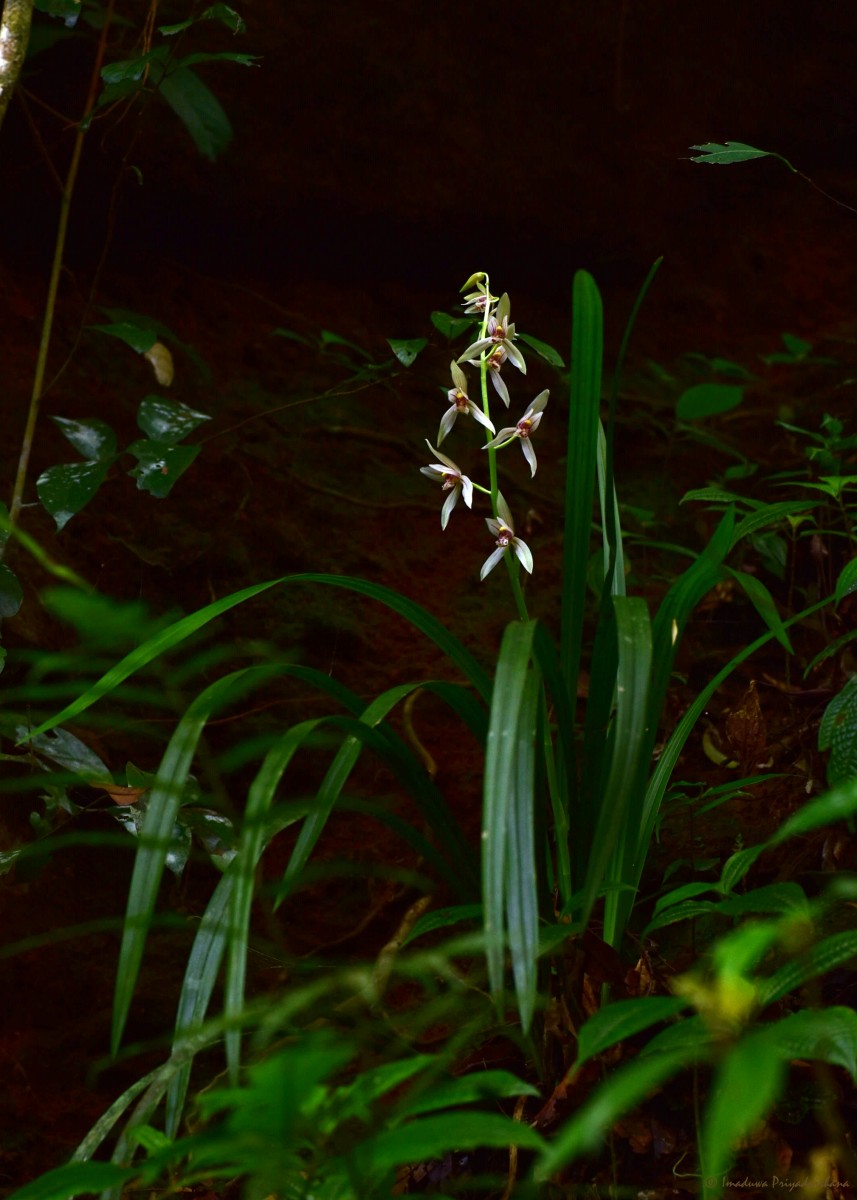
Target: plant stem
x=53, y=283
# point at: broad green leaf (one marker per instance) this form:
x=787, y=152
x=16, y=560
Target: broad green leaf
x=707, y=400
x=837, y=805
x=407, y=350
x=585, y=1131
x=131, y=70
x=543, y=350
x=139, y=337
x=11, y=592
x=622, y=1020
x=199, y=110
x=94, y=439
x=769, y=514
x=816, y=960
x=827, y=1035
x=167, y=420
x=451, y=327
x=744, y=1089
x=76, y=1179
x=432, y=1137
x=159, y=466
x=784, y=899
x=690, y=1034
x=729, y=152
x=66, y=489
x=63, y=748
x=838, y=734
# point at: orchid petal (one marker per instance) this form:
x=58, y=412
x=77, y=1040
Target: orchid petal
x=491, y=561
x=458, y=377
x=503, y=512
x=524, y=554
x=529, y=454
x=477, y=413
x=449, y=504
x=447, y=461
x=505, y=435
x=446, y=423
x=515, y=356
x=500, y=387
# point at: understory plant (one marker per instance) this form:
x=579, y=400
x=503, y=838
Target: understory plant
x=570, y=805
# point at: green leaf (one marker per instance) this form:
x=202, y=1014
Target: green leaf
x=467, y=1089
x=192, y=60
x=507, y=894
x=707, y=400
x=131, y=70
x=838, y=733
x=451, y=327
x=763, y=602
x=66, y=489
x=831, y=952
x=159, y=466
x=729, y=152
x=442, y=918
x=11, y=592
x=622, y=1020
x=139, y=337
x=432, y=1137
x=744, y=1089
x=847, y=581
x=827, y=1035
x=199, y=110
x=94, y=439
x=69, y=10
x=406, y=351
x=76, y=1179
x=167, y=420
x=67, y=751
x=543, y=349
x=216, y=12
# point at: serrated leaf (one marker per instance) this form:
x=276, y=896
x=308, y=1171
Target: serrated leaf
x=199, y=110
x=94, y=439
x=406, y=351
x=728, y=152
x=159, y=466
x=708, y=400
x=66, y=489
x=11, y=592
x=168, y=421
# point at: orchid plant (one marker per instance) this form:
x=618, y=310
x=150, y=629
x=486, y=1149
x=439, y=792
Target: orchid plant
x=489, y=353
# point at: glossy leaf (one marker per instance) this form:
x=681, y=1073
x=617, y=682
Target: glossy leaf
x=94, y=439
x=168, y=421
x=159, y=466
x=66, y=489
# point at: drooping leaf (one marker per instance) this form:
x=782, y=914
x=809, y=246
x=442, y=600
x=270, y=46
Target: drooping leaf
x=131, y=70
x=451, y=327
x=66, y=489
x=159, y=466
x=763, y=602
x=199, y=110
x=168, y=421
x=543, y=350
x=94, y=439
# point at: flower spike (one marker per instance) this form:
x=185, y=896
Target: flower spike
x=500, y=332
